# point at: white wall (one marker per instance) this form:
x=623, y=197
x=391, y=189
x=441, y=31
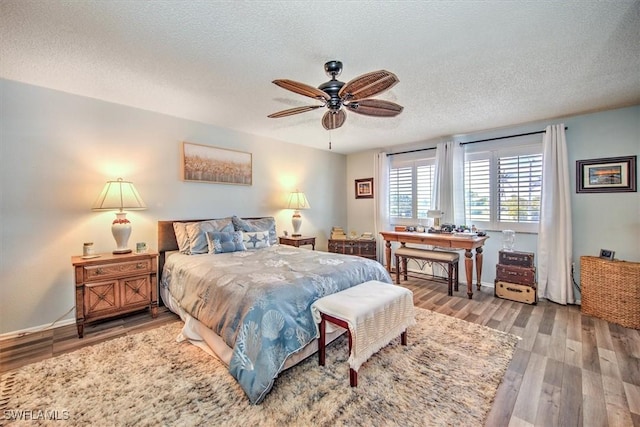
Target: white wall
x=603, y=220
x=360, y=211
x=58, y=150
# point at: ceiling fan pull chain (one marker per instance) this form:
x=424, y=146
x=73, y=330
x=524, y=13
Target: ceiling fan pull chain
x=329, y=139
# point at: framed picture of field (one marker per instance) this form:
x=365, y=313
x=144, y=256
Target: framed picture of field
x=204, y=163
x=608, y=175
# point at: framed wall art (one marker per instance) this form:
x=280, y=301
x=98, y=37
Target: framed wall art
x=204, y=163
x=364, y=188
x=607, y=175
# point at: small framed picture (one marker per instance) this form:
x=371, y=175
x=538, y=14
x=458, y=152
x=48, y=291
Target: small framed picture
x=610, y=175
x=607, y=254
x=364, y=188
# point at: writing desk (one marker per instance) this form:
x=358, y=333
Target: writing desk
x=448, y=241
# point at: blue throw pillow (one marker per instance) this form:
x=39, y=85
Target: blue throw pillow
x=221, y=242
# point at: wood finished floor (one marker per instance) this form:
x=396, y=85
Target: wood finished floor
x=569, y=369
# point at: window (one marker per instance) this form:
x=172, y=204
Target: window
x=410, y=189
x=503, y=187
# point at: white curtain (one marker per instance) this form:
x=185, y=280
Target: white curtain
x=448, y=191
x=381, y=211
x=555, y=233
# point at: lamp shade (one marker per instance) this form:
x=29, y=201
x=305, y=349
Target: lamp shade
x=298, y=200
x=119, y=195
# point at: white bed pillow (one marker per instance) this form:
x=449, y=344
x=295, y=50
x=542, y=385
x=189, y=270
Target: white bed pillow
x=197, y=233
x=267, y=223
x=255, y=239
x=180, y=230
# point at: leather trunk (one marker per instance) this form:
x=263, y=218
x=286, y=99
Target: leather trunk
x=514, y=292
x=517, y=275
x=519, y=259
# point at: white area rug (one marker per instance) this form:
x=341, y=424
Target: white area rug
x=447, y=375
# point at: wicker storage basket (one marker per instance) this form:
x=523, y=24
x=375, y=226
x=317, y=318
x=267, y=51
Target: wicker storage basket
x=611, y=290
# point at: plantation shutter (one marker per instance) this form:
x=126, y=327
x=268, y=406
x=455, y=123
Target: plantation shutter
x=401, y=192
x=477, y=183
x=519, y=188
x=425, y=174
x=411, y=187
x=503, y=184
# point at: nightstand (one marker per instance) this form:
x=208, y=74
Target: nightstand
x=111, y=285
x=298, y=241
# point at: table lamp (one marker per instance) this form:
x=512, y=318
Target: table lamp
x=297, y=201
x=119, y=195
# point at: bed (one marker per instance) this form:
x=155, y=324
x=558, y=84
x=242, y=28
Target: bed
x=248, y=301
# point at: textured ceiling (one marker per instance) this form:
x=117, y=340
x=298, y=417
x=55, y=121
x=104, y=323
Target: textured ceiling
x=464, y=66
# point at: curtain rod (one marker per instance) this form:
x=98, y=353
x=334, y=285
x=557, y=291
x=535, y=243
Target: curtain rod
x=473, y=142
x=507, y=136
x=411, y=151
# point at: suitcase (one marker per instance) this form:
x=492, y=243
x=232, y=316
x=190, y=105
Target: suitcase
x=515, y=292
x=517, y=275
x=519, y=259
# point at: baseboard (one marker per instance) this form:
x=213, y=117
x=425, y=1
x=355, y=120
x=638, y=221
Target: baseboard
x=48, y=326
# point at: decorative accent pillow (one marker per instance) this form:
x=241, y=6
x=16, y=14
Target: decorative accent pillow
x=197, y=232
x=221, y=242
x=267, y=223
x=256, y=239
x=180, y=230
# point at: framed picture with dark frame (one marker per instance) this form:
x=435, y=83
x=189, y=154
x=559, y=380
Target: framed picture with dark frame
x=364, y=188
x=606, y=175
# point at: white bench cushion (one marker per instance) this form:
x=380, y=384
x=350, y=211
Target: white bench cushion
x=441, y=256
x=376, y=313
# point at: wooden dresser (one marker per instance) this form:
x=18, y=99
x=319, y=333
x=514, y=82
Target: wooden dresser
x=112, y=285
x=363, y=248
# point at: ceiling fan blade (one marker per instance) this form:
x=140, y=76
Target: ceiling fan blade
x=333, y=119
x=375, y=107
x=368, y=85
x=292, y=111
x=302, y=89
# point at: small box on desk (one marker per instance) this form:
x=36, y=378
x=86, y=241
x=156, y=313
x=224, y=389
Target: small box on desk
x=515, y=292
x=519, y=259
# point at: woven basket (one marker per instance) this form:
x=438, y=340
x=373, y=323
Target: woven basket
x=611, y=290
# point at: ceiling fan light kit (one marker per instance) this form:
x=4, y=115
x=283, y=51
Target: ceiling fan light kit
x=355, y=96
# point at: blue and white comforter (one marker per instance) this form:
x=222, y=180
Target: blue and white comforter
x=259, y=301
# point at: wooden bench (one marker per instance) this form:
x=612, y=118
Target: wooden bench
x=449, y=260
x=373, y=313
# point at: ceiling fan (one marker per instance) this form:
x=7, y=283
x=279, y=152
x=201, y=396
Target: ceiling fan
x=354, y=96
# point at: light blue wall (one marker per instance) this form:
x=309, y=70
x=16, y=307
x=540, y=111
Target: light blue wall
x=603, y=220
x=57, y=151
